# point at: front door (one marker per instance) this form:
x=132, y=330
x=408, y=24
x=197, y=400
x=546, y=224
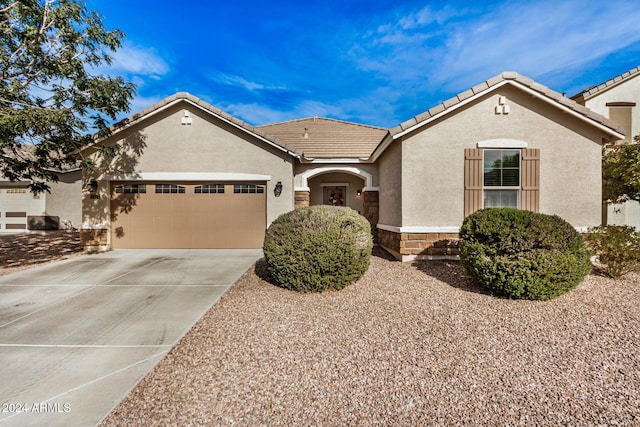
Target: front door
x=335, y=196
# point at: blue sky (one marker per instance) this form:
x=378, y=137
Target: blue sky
x=373, y=62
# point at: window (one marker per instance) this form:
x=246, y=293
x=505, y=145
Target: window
x=131, y=188
x=169, y=189
x=17, y=191
x=501, y=178
x=248, y=189
x=209, y=189
x=480, y=166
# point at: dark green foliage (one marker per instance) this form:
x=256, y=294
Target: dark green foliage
x=52, y=96
x=621, y=172
x=318, y=248
x=617, y=248
x=522, y=254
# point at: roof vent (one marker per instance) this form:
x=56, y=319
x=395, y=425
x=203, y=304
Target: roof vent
x=186, y=119
x=305, y=135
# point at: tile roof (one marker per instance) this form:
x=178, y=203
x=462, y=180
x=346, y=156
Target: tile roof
x=593, y=90
x=323, y=138
x=27, y=152
x=507, y=77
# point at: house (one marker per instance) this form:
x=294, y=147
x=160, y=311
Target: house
x=188, y=175
x=617, y=99
x=60, y=208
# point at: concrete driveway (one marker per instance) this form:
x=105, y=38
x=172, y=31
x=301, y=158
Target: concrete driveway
x=76, y=336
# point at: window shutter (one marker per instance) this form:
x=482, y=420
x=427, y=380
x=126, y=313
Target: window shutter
x=621, y=112
x=530, y=179
x=472, y=180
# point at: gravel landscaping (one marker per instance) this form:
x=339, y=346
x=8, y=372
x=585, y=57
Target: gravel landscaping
x=406, y=345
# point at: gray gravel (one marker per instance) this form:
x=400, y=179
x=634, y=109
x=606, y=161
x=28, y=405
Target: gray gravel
x=406, y=345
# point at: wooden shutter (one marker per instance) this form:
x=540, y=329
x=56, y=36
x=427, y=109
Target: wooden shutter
x=473, y=172
x=620, y=113
x=530, y=175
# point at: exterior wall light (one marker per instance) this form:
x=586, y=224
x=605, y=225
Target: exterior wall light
x=359, y=192
x=277, y=190
x=92, y=186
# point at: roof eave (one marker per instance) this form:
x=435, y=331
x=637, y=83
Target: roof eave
x=449, y=110
x=417, y=125
x=612, y=132
x=596, y=90
x=334, y=160
x=118, y=128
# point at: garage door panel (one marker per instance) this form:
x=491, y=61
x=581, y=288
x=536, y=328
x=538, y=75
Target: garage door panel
x=188, y=220
x=14, y=204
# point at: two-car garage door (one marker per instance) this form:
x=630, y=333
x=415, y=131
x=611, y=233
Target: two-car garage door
x=187, y=215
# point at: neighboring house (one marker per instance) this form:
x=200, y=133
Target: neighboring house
x=61, y=208
x=617, y=99
x=188, y=175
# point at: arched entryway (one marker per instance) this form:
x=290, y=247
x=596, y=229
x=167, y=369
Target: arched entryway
x=342, y=186
x=337, y=189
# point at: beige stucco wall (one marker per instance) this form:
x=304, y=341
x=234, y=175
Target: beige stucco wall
x=35, y=203
x=627, y=91
x=315, y=169
x=65, y=199
x=391, y=194
x=433, y=160
x=162, y=144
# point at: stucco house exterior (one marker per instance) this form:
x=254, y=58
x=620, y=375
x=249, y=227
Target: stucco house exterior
x=188, y=175
x=60, y=208
x=617, y=99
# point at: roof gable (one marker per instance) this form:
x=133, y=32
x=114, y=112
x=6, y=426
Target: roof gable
x=517, y=80
x=194, y=101
x=324, y=138
x=511, y=78
x=592, y=91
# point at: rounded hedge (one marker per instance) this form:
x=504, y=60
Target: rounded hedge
x=522, y=254
x=318, y=248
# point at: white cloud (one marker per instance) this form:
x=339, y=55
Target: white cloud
x=138, y=104
x=366, y=109
x=135, y=60
x=453, y=50
x=238, y=81
x=427, y=16
x=259, y=114
x=542, y=38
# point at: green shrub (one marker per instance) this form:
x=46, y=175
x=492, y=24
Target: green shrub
x=522, y=254
x=617, y=248
x=318, y=248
